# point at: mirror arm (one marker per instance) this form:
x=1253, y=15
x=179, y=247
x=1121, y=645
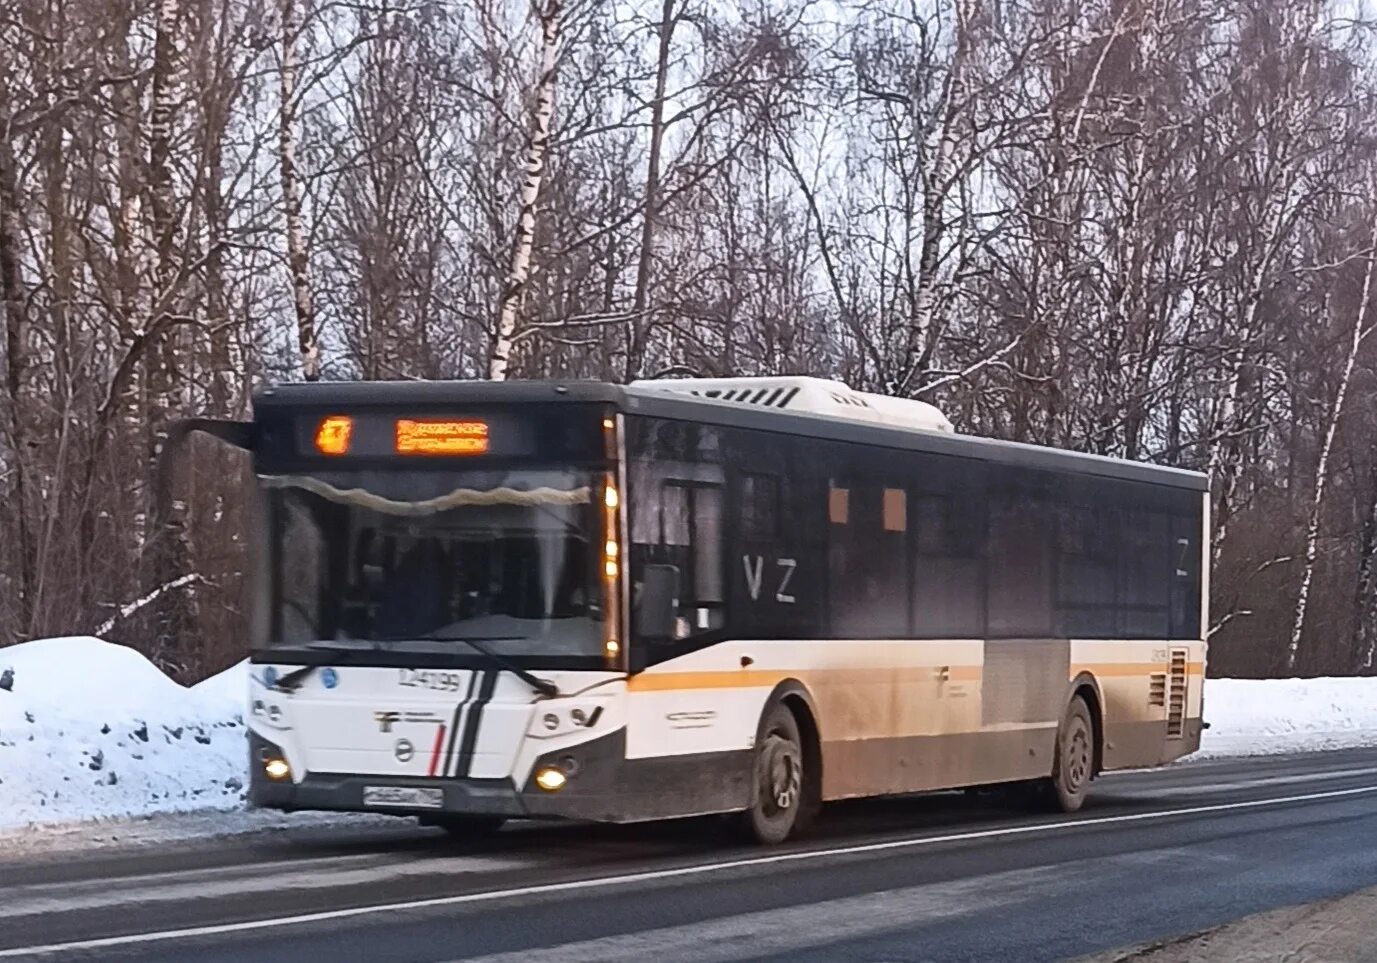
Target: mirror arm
x=240, y=434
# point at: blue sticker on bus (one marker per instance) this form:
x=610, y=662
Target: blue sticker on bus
x=270, y=676
x=329, y=677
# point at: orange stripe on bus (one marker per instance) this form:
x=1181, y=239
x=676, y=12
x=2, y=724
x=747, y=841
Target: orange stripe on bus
x=743, y=678
x=863, y=675
x=1122, y=669
x=766, y=678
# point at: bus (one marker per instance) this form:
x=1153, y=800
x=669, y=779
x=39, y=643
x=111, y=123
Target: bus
x=482, y=601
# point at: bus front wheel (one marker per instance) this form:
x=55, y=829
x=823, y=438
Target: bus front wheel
x=777, y=809
x=1074, y=762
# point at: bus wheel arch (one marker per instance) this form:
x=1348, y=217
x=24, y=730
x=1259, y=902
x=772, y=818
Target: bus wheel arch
x=1088, y=689
x=1073, y=760
x=788, y=714
x=798, y=701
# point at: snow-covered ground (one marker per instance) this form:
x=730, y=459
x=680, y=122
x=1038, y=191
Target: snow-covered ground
x=1250, y=717
x=92, y=730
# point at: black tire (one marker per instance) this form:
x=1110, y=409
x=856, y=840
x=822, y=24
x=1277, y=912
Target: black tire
x=1073, y=764
x=779, y=808
x=467, y=827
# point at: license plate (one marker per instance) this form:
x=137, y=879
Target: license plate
x=410, y=797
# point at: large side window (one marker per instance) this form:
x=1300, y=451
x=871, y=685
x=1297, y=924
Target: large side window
x=760, y=507
x=1020, y=571
x=1145, y=575
x=679, y=523
x=1088, y=548
x=949, y=565
x=676, y=514
x=1184, y=572
x=694, y=510
x=867, y=565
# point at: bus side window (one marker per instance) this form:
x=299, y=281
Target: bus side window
x=867, y=572
x=1184, y=569
x=760, y=507
x=1020, y=571
x=949, y=568
x=690, y=538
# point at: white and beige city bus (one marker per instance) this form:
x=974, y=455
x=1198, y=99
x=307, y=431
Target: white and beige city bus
x=485, y=601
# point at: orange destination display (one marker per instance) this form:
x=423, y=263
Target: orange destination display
x=333, y=435
x=441, y=437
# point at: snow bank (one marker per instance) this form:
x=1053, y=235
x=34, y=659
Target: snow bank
x=1251, y=717
x=90, y=729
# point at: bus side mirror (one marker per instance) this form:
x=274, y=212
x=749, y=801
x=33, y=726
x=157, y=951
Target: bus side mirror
x=657, y=603
x=237, y=433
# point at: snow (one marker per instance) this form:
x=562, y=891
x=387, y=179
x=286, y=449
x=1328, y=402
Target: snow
x=91, y=730
x=1251, y=717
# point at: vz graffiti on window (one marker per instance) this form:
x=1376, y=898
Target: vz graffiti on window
x=755, y=576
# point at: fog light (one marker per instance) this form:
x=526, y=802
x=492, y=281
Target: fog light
x=551, y=780
x=277, y=769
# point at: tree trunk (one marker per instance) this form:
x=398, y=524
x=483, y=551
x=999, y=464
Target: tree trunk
x=1226, y=447
x=298, y=264
x=513, y=294
x=170, y=555
x=1312, y=531
x=14, y=304
x=921, y=328
x=637, y=327
x=1365, y=586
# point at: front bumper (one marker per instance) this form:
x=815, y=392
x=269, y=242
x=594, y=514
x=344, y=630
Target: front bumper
x=603, y=786
x=339, y=792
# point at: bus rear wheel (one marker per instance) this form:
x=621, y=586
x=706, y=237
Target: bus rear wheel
x=778, y=808
x=1074, y=762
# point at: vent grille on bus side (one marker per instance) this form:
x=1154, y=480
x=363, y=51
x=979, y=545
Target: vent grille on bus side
x=1157, y=689
x=1176, y=696
x=764, y=397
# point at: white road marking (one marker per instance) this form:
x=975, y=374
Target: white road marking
x=700, y=869
x=1253, y=783
x=793, y=928
x=279, y=876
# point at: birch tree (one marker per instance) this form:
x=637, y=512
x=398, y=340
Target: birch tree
x=1361, y=329
x=550, y=15
x=12, y=296
x=298, y=259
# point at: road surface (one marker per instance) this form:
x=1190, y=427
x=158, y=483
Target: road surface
x=1153, y=856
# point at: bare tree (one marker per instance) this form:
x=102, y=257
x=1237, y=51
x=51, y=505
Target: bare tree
x=298, y=261
x=1362, y=327
x=550, y=14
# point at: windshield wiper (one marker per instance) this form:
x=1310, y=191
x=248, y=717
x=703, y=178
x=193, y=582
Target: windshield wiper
x=544, y=686
x=293, y=680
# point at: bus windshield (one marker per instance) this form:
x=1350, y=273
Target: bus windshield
x=404, y=559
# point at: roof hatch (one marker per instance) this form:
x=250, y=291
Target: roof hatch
x=816, y=396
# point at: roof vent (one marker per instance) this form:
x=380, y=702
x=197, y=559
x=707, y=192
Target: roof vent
x=808, y=395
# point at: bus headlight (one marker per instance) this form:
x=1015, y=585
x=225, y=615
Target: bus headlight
x=550, y=779
x=276, y=769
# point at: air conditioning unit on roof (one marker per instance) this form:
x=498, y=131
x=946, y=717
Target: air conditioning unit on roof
x=817, y=396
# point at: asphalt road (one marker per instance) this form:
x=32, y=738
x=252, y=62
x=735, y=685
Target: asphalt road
x=1154, y=855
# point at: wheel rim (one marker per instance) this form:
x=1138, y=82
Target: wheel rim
x=1076, y=756
x=780, y=774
